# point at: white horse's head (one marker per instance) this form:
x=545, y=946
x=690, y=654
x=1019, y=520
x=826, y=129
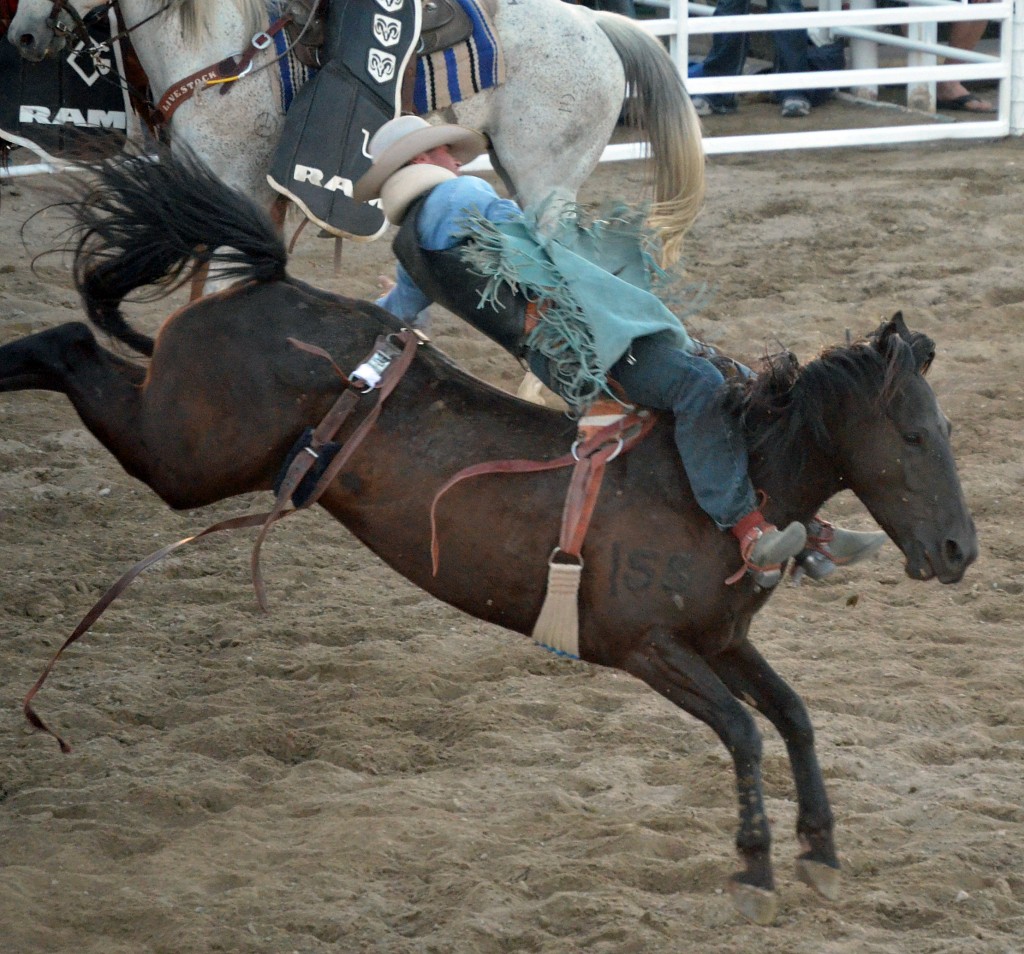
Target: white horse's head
x=41, y=28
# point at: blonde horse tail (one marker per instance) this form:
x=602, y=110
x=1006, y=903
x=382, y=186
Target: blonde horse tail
x=657, y=102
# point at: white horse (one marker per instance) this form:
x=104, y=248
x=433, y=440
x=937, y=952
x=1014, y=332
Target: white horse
x=567, y=69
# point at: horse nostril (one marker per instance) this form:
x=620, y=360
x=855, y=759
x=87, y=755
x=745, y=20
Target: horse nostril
x=952, y=553
x=26, y=39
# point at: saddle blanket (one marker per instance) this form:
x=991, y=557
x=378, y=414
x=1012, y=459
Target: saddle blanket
x=442, y=78
x=450, y=76
x=293, y=72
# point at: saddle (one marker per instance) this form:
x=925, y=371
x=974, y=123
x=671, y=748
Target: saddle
x=445, y=23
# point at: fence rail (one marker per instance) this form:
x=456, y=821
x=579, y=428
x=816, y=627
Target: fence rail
x=859, y=24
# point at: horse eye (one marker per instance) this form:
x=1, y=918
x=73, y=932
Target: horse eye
x=913, y=438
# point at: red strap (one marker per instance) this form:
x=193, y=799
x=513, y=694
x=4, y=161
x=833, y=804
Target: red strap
x=751, y=521
x=584, y=488
x=630, y=430
x=748, y=531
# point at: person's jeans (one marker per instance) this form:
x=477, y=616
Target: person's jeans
x=729, y=50
x=659, y=375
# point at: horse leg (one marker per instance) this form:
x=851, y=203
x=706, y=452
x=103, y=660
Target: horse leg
x=744, y=670
x=686, y=679
x=201, y=425
x=550, y=121
x=103, y=388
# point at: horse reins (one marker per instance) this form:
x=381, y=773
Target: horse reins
x=79, y=31
x=226, y=72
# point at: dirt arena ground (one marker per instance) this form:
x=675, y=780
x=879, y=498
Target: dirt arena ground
x=366, y=769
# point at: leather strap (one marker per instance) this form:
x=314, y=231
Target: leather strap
x=327, y=428
x=617, y=438
x=323, y=433
x=226, y=72
x=234, y=523
x=584, y=488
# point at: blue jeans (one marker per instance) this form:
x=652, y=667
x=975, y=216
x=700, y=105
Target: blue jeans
x=661, y=376
x=729, y=50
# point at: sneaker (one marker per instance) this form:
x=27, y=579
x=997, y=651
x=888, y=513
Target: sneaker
x=829, y=547
x=703, y=105
x=795, y=107
x=765, y=548
x=708, y=107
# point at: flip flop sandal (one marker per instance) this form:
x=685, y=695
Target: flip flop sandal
x=964, y=104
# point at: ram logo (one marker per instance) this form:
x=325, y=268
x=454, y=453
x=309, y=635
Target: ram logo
x=387, y=30
x=381, y=65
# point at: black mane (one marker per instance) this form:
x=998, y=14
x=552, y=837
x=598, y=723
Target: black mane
x=786, y=407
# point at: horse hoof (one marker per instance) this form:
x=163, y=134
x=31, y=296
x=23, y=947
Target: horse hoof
x=823, y=878
x=755, y=904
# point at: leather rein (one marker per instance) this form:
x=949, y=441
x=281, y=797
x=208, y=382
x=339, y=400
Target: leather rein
x=80, y=33
x=223, y=73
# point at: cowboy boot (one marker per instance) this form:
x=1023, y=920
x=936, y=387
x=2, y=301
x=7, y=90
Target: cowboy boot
x=764, y=548
x=829, y=547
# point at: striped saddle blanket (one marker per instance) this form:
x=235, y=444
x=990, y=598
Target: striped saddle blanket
x=442, y=78
x=452, y=75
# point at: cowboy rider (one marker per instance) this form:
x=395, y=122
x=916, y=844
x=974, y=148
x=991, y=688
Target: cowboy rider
x=618, y=329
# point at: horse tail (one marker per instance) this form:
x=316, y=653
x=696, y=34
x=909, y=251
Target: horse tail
x=155, y=222
x=658, y=102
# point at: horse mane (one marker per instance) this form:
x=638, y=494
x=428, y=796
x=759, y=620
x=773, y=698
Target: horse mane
x=196, y=15
x=787, y=405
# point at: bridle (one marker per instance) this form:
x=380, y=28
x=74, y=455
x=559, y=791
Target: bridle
x=78, y=31
x=225, y=72
x=59, y=26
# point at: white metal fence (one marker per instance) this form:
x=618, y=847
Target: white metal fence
x=859, y=24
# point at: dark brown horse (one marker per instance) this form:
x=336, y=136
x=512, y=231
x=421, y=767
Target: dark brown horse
x=225, y=397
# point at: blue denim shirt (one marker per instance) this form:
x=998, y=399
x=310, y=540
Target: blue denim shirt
x=441, y=225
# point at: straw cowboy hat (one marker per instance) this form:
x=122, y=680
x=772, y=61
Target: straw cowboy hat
x=400, y=140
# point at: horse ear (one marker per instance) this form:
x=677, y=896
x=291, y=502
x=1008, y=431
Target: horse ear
x=884, y=332
x=782, y=371
x=921, y=346
x=924, y=351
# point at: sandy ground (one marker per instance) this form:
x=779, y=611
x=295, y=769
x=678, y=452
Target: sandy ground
x=368, y=770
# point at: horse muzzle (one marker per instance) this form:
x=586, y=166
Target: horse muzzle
x=945, y=559
x=35, y=47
